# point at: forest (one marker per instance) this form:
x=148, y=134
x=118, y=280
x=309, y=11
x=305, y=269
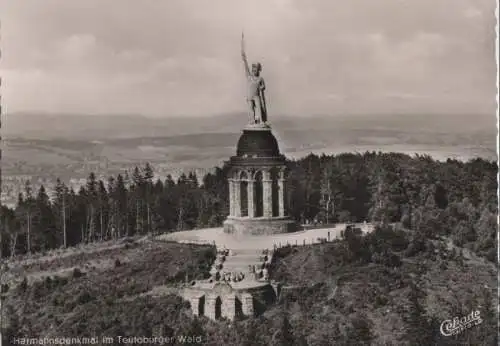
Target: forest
x=393, y=286
x=453, y=198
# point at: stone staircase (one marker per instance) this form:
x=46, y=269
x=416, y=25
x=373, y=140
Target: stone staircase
x=239, y=260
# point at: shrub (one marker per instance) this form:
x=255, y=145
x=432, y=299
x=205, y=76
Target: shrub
x=77, y=273
x=84, y=298
x=381, y=300
x=492, y=255
x=4, y=288
x=23, y=286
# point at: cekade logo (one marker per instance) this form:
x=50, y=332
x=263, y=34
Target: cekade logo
x=458, y=325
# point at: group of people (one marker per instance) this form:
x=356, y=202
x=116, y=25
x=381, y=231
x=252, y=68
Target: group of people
x=229, y=277
x=259, y=271
x=219, y=275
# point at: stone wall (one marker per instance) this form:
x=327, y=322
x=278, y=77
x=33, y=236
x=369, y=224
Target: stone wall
x=259, y=226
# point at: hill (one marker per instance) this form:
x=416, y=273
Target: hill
x=102, y=127
x=67, y=144
x=334, y=293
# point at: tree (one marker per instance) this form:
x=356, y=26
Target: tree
x=9, y=232
x=102, y=204
x=486, y=229
x=148, y=180
x=284, y=335
x=44, y=222
x=121, y=195
x=61, y=206
x=329, y=191
x=25, y=211
x=90, y=195
x=360, y=332
x=10, y=329
x=112, y=208
x=419, y=330
x=137, y=195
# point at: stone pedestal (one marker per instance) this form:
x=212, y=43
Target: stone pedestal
x=260, y=225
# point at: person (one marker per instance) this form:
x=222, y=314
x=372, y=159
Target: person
x=265, y=273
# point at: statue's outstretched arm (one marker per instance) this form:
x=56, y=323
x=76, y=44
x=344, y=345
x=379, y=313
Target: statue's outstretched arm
x=245, y=62
x=244, y=56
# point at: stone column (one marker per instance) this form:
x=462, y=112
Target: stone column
x=195, y=305
x=247, y=304
x=210, y=307
x=228, y=309
x=251, y=198
x=237, y=198
x=281, y=196
x=267, y=197
x=231, y=197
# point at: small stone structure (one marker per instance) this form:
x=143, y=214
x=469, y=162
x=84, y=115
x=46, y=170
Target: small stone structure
x=231, y=296
x=220, y=301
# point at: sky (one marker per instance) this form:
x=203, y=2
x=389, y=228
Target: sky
x=182, y=57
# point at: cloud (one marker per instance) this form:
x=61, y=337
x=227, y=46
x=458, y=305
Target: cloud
x=182, y=56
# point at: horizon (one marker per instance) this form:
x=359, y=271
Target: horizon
x=237, y=113
x=431, y=59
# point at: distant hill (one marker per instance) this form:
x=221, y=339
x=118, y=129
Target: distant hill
x=63, y=144
x=97, y=127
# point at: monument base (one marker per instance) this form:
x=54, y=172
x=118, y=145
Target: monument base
x=258, y=127
x=259, y=225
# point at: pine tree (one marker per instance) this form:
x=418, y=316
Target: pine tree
x=61, y=206
x=138, y=198
x=25, y=211
x=92, y=198
x=360, y=333
x=122, y=198
x=169, y=182
x=418, y=329
x=45, y=235
x=9, y=232
x=148, y=180
x=284, y=335
x=112, y=208
x=11, y=329
x=102, y=203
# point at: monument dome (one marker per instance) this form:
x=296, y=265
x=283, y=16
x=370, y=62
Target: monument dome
x=257, y=144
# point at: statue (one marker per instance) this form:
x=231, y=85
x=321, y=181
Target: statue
x=255, y=90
